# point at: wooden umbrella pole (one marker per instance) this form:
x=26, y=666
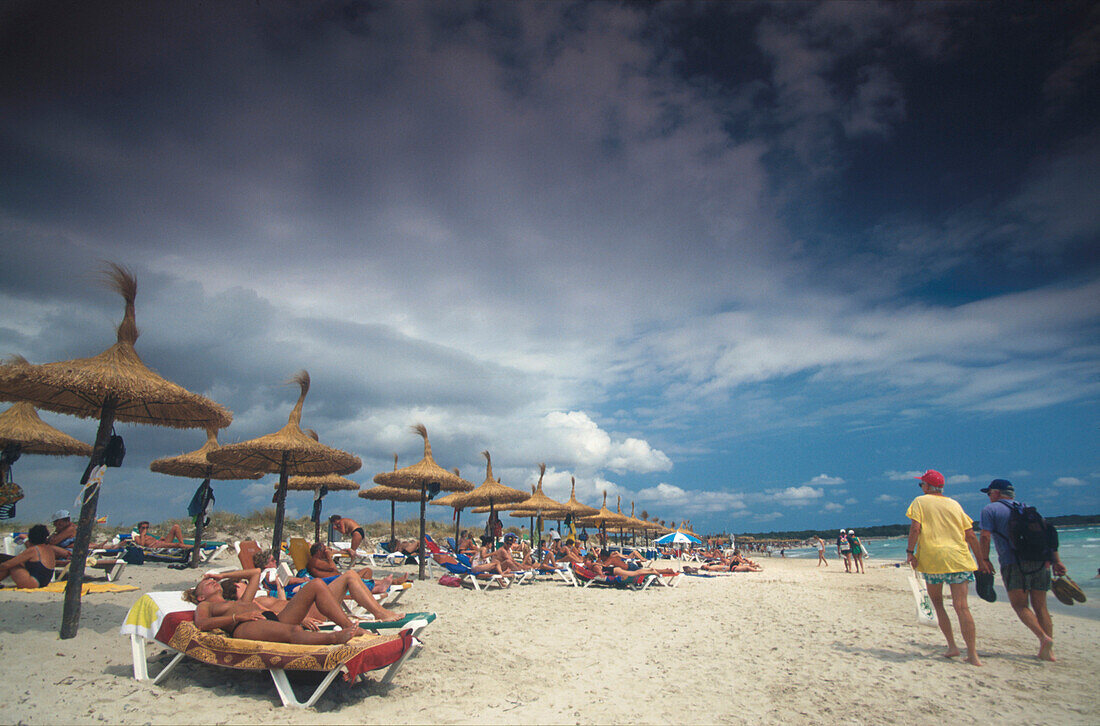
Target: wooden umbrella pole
x=280, y=510
x=70, y=615
x=393, y=533
x=317, y=528
x=458, y=518
x=201, y=521
x=423, y=505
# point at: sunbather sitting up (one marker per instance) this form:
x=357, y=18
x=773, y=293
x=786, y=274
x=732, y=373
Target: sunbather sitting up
x=174, y=541
x=349, y=584
x=466, y=544
x=239, y=615
x=503, y=555
x=320, y=564
x=33, y=567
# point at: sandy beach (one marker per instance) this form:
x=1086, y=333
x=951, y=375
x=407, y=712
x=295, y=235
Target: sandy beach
x=795, y=644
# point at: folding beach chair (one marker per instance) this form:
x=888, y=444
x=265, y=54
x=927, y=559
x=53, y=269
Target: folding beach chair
x=165, y=618
x=587, y=578
x=465, y=573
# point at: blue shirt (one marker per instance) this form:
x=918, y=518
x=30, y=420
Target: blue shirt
x=995, y=517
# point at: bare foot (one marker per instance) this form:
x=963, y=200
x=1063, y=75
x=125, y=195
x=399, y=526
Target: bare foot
x=1046, y=650
x=389, y=616
x=951, y=653
x=973, y=660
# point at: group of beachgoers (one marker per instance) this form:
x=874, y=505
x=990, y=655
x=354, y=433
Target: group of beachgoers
x=849, y=549
x=44, y=550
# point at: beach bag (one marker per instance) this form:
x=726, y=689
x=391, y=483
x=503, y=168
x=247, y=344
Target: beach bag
x=450, y=581
x=114, y=452
x=10, y=493
x=1033, y=539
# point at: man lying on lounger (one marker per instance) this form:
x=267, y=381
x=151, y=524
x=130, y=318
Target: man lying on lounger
x=592, y=564
x=174, y=541
x=221, y=606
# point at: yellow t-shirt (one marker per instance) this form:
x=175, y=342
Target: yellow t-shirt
x=941, y=546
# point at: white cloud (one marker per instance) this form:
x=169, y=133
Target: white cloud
x=903, y=475
x=824, y=480
x=883, y=498
x=798, y=496
x=1068, y=481
x=958, y=479
x=833, y=507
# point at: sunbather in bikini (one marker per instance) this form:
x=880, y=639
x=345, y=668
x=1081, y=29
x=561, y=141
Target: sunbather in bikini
x=320, y=564
x=592, y=564
x=466, y=544
x=242, y=617
x=174, y=541
x=614, y=559
x=492, y=567
x=348, y=584
x=33, y=567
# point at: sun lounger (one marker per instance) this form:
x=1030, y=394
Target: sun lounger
x=562, y=572
x=587, y=578
x=478, y=580
x=165, y=618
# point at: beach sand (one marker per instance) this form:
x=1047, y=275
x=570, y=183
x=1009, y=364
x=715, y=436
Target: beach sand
x=795, y=644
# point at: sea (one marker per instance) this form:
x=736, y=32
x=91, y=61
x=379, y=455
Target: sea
x=1078, y=546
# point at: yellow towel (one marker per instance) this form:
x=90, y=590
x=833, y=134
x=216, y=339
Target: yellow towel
x=85, y=588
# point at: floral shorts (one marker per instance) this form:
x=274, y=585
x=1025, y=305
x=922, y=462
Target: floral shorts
x=948, y=578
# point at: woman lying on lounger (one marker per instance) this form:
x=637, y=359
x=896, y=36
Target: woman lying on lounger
x=219, y=605
x=594, y=565
x=348, y=584
x=321, y=564
x=492, y=567
x=607, y=558
x=736, y=563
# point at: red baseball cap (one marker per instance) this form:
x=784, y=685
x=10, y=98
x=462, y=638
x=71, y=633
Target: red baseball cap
x=932, y=478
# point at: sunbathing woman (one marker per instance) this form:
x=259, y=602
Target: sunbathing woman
x=614, y=559
x=492, y=567
x=33, y=567
x=349, y=584
x=612, y=571
x=241, y=617
x=174, y=541
x=320, y=564
x=466, y=544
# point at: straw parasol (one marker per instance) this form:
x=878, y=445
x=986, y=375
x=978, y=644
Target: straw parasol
x=391, y=495
x=539, y=505
x=421, y=475
x=321, y=485
x=112, y=386
x=454, y=501
x=21, y=426
x=573, y=510
x=23, y=432
x=287, y=451
x=603, y=518
x=491, y=492
x=195, y=465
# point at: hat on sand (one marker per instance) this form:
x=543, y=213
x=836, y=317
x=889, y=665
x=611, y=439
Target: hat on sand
x=932, y=478
x=999, y=485
x=59, y=515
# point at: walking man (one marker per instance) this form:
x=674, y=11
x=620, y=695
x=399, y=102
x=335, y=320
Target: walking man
x=1027, y=581
x=939, y=537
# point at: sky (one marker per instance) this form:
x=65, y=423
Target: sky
x=753, y=265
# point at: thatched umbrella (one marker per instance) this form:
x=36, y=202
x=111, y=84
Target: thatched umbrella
x=454, y=501
x=422, y=475
x=391, y=495
x=112, y=386
x=491, y=493
x=325, y=482
x=23, y=432
x=573, y=510
x=538, y=505
x=603, y=518
x=195, y=465
x=287, y=451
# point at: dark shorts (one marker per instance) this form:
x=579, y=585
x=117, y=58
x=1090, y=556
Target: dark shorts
x=1026, y=576
x=360, y=531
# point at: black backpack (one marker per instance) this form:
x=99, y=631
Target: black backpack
x=1033, y=539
